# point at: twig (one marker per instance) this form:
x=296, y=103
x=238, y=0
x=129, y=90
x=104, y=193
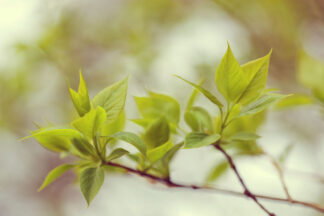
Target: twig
x=281, y=175
x=247, y=192
x=168, y=182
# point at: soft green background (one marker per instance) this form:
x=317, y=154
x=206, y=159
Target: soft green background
x=44, y=43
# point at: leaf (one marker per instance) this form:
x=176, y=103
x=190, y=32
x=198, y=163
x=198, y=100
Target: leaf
x=81, y=99
x=112, y=99
x=244, y=136
x=147, y=122
x=84, y=147
x=132, y=139
x=55, y=139
x=193, y=97
x=199, y=119
x=197, y=139
x=262, y=103
x=54, y=174
x=117, y=153
x=91, y=122
x=157, y=134
x=91, y=180
x=229, y=77
x=163, y=164
x=207, y=94
x=157, y=106
x=114, y=126
x=158, y=152
x=217, y=171
x=285, y=153
x=257, y=72
x=294, y=100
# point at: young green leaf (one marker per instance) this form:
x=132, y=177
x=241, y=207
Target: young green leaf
x=91, y=122
x=197, y=139
x=132, y=139
x=158, y=152
x=159, y=105
x=157, y=134
x=257, y=72
x=217, y=171
x=147, y=122
x=55, y=139
x=91, y=180
x=84, y=147
x=207, y=94
x=114, y=126
x=244, y=136
x=262, y=103
x=294, y=100
x=112, y=99
x=230, y=78
x=116, y=153
x=81, y=99
x=54, y=174
x=193, y=97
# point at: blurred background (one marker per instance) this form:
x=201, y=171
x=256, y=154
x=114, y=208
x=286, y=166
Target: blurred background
x=43, y=44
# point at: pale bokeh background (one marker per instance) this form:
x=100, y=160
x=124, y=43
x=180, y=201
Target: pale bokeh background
x=43, y=43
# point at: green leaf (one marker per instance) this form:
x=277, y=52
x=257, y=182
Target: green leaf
x=262, y=103
x=112, y=99
x=217, y=171
x=132, y=139
x=257, y=72
x=157, y=134
x=55, y=139
x=147, y=122
x=114, y=126
x=54, y=174
x=193, y=97
x=230, y=78
x=81, y=99
x=157, y=106
x=117, y=153
x=91, y=122
x=158, y=152
x=83, y=147
x=244, y=136
x=197, y=139
x=91, y=180
x=207, y=94
x=294, y=100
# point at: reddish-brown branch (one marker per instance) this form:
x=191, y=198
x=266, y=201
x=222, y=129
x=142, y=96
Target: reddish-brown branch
x=247, y=192
x=168, y=182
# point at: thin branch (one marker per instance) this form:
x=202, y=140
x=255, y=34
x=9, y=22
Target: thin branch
x=168, y=182
x=281, y=175
x=247, y=192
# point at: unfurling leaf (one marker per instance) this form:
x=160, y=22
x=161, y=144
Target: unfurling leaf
x=294, y=100
x=91, y=123
x=54, y=174
x=112, y=99
x=260, y=104
x=230, y=78
x=132, y=139
x=117, y=153
x=157, y=134
x=197, y=139
x=83, y=147
x=157, y=106
x=158, y=152
x=91, y=180
x=199, y=119
x=81, y=99
x=206, y=93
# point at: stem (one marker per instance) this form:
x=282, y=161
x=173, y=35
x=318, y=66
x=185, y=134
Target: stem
x=247, y=192
x=168, y=182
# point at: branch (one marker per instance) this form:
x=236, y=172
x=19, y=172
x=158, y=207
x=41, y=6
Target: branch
x=247, y=192
x=281, y=175
x=168, y=182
